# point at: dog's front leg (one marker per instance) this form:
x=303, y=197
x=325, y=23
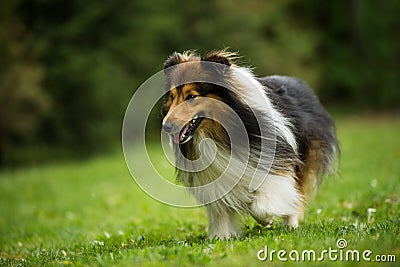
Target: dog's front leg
x=222, y=221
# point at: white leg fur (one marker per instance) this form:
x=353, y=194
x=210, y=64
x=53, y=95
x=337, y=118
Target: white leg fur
x=277, y=196
x=292, y=220
x=222, y=223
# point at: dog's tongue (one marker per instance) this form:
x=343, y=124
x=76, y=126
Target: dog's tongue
x=178, y=137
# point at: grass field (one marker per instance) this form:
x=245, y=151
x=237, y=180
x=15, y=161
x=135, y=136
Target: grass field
x=92, y=213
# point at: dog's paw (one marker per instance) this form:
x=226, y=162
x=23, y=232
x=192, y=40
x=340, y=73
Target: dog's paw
x=291, y=220
x=223, y=235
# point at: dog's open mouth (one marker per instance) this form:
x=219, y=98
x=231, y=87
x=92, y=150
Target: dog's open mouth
x=187, y=131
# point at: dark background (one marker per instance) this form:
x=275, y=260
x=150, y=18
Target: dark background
x=69, y=68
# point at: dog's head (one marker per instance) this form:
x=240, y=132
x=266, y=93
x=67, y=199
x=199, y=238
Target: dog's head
x=189, y=100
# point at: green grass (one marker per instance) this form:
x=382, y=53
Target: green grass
x=92, y=213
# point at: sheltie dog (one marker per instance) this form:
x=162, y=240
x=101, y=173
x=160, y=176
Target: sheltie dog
x=245, y=144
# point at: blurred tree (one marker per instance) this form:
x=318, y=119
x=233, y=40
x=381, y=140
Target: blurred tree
x=23, y=102
x=69, y=67
x=359, y=49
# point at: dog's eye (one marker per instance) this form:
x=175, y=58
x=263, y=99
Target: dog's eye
x=190, y=97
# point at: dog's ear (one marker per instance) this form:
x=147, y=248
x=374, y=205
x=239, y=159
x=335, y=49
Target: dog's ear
x=222, y=57
x=173, y=60
x=177, y=58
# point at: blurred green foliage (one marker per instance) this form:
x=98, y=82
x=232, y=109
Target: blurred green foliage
x=69, y=68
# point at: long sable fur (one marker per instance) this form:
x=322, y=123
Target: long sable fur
x=306, y=144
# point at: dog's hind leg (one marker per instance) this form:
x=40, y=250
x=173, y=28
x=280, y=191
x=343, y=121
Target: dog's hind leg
x=293, y=220
x=277, y=196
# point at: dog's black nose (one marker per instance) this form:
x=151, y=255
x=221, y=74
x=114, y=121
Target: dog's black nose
x=168, y=127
